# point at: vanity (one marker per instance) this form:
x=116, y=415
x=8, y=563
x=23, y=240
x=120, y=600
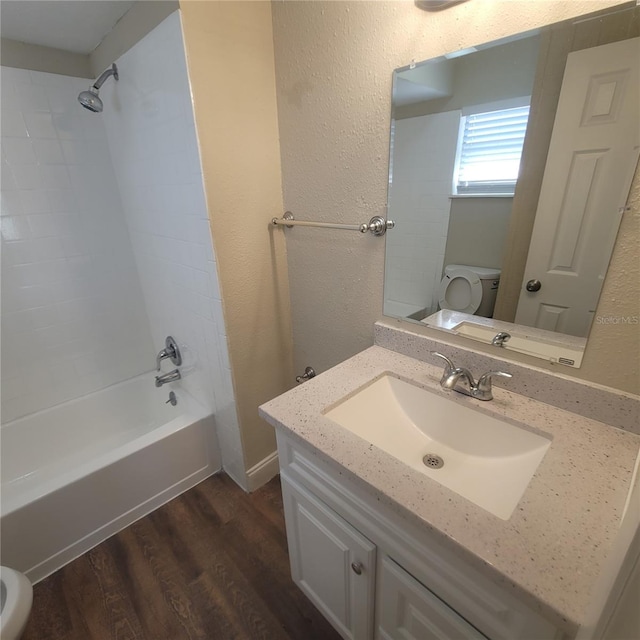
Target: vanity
x=386, y=550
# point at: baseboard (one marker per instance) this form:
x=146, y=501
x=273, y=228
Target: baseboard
x=262, y=472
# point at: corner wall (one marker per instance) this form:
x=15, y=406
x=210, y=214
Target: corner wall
x=334, y=63
x=148, y=117
x=231, y=67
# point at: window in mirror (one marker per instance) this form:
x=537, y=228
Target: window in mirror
x=489, y=151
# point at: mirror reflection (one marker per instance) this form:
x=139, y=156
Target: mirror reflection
x=510, y=167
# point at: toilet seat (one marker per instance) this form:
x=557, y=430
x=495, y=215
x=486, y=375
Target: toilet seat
x=460, y=290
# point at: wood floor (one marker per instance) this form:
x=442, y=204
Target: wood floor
x=211, y=564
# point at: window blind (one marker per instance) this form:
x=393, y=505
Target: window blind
x=489, y=156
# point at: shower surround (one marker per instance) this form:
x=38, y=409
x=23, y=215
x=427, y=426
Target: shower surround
x=106, y=249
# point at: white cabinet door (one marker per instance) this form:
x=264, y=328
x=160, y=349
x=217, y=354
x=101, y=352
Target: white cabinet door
x=331, y=562
x=409, y=611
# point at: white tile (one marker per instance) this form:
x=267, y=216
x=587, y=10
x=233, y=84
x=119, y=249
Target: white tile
x=67, y=126
x=18, y=151
x=14, y=228
x=32, y=97
x=54, y=177
x=47, y=248
x=10, y=203
x=62, y=99
x=40, y=125
x=13, y=124
x=14, y=253
x=25, y=176
x=61, y=200
x=34, y=201
x=34, y=296
x=14, y=75
x=48, y=151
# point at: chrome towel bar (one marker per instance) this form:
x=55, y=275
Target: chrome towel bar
x=377, y=225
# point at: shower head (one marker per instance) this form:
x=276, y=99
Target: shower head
x=90, y=99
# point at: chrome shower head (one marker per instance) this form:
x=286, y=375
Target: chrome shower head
x=90, y=99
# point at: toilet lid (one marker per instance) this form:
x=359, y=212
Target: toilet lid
x=460, y=290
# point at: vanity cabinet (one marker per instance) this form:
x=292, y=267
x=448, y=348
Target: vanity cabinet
x=374, y=575
x=409, y=611
x=331, y=562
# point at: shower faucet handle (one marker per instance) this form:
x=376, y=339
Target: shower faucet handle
x=170, y=350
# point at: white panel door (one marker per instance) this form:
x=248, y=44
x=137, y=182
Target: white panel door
x=592, y=157
x=409, y=611
x=331, y=562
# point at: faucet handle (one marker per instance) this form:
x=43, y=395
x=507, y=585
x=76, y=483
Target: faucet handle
x=171, y=350
x=449, y=366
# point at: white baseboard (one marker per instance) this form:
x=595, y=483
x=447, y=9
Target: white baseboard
x=262, y=472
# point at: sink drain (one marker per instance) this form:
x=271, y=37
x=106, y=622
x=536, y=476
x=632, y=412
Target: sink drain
x=433, y=461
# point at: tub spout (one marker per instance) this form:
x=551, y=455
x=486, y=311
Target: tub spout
x=172, y=376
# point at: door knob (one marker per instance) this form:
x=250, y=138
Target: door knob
x=357, y=568
x=533, y=285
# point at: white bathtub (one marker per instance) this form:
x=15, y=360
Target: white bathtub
x=77, y=473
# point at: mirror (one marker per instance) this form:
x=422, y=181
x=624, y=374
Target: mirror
x=510, y=166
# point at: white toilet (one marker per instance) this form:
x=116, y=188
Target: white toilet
x=469, y=289
x=16, y=596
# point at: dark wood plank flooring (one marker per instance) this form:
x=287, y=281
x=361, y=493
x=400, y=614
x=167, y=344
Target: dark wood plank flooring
x=211, y=564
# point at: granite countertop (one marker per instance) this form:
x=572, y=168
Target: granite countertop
x=552, y=549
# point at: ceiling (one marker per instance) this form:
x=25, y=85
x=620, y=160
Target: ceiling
x=72, y=25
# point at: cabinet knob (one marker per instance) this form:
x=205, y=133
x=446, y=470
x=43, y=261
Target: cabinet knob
x=357, y=568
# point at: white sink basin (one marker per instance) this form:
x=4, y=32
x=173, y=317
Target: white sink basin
x=488, y=461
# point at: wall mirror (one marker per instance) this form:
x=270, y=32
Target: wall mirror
x=511, y=163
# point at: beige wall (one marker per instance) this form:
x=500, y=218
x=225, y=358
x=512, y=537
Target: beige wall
x=334, y=64
x=22, y=55
x=231, y=66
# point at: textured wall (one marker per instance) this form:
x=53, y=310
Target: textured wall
x=230, y=58
x=334, y=63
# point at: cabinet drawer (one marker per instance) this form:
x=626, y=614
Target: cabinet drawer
x=331, y=562
x=409, y=611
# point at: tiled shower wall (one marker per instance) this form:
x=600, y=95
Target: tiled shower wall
x=73, y=317
x=421, y=188
x=149, y=118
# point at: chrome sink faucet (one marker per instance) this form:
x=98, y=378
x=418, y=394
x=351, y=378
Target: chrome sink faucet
x=461, y=380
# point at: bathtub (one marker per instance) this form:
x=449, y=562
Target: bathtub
x=79, y=472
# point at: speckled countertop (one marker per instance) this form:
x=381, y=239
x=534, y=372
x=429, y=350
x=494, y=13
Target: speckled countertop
x=552, y=549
